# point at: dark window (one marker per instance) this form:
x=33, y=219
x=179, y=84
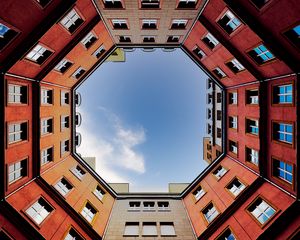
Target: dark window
x=259, y=3
x=294, y=35
x=124, y=39
x=283, y=171
x=219, y=132
x=252, y=126
x=78, y=73
x=46, y=126
x=210, y=40
x=283, y=94
x=283, y=132
x=71, y=21
x=88, y=40
x=219, y=97
x=233, y=147
x=46, y=96
x=63, y=65
x=149, y=24
x=219, y=115
x=149, y=39
x=261, y=54
x=219, y=73
x=149, y=3
x=200, y=53
x=119, y=24
x=179, y=24
x=252, y=96
x=187, y=4
x=113, y=4
x=227, y=235
x=233, y=98
x=46, y=155
x=173, y=39
x=17, y=171
x=99, y=52
x=235, y=66
x=6, y=35
x=229, y=22
x=72, y=234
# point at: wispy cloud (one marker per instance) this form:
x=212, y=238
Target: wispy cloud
x=116, y=152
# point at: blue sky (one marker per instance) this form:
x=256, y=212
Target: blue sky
x=144, y=119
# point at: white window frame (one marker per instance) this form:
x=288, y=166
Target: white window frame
x=220, y=173
x=44, y=96
x=220, y=71
x=199, y=193
x=232, y=17
x=16, y=133
x=99, y=194
x=212, y=39
x=64, y=146
x=237, y=64
x=70, y=19
x=87, y=212
x=15, y=170
x=179, y=22
x=62, y=188
x=254, y=158
x=38, y=212
x=236, y=190
x=45, y=124
x=77, y=172
x=88, y=38
x=45, y=155
x=15, y=93
x=119, y=22
x=211, y=213
x=64, y=119
x=78, y=70
x=261, y=209
x=98, y=51
x=36, y=53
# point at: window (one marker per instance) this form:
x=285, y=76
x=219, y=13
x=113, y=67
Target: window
x=64, y=98
x=209, y=113
x=149, y=229
x=229, y=22
x=252, y=126
x=73, y=235
x=71, y=21
x=17, y=132
x=134, y=206
x=131, y=229
x=179, y=24
x=235, y=66
x=78, y=172
x=219, y=172
x=119, y=24
x=233, y=98
x=78, y=73
x=17, y=171
x=236, y=187
x=46, y=96
x=226, y=235
x=209, y=98
x=219, y=97
x=149, y=24
x=219, y=115
x=210, y=212
x=283, y=170
x=112, y=3
x=46, y=126
x=124, y=39
x=99, y=52
x=65, y=122
x=252, y=156
x=39, y=210
x=261, y=210
x=187, y=4
x=261, y=54
x=199, y=52
x=173, y=39
x=149, y=39
x=148, y=206
x=38, y=54
x=64, y=147
x=259, y=3
x=149, y=4
x=252, y=96
x=88, y=40
x=63, y=65
x=208, y=129
x=233, y=122
x=46, y=155
x=99, y=192
x=283, y=94
x=219, y=132
x=167, y=229
x=6, y=35
x=283, y=132
x=233, y=147
x=78, y=119
x=63, y=186
x=294, y=35
x=89, y=212
x=163, y=206
x=210, y=40
x=198, y=193
x=219, y=73
x=17, y=94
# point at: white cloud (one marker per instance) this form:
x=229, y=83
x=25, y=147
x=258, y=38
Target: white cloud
x=115, y=153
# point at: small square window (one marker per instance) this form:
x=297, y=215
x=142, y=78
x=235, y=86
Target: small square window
x=71, y=21
x=78, y=73
x=16, y=171
x=17, y=132
x=17, y=94
x=261, y=210
x=167, y=229
x=252, y=96
x=179, y=24
x=120, y=24
x=235, y=66
x=73, y=235
x=46, y=126
x=199, y=52
x=149, y=206
x=227, y=235
x=149, y=39
x=63, y=65
x=260, y=3
x=252, y=126
x=78, y=172
x=173, y=39
x=134, y=206
x=88, y=40
x=219, y=172
x=149, y=24
x=236, y=187
x=149, y=229
x=198, y=193
x=89, y=212
x=163, y=206
x=38, y=54
x=46, y=155
x=252, y=156
x=210, y=212
x=219, y=73
x=261, y=54
x=99, y=192
x=283, y=171
x=46, y=96
x=131, y=229
x=229, y=22
x=283, y=94
x=63, y=186
x=39, y=211
x=99, y=52
x=283, y=132
x=210, y=40
x=233, y=98
x=152, y=4
x=124, y=39
x=113, y=3
x=187, y=4
x=294, y=35
x=233, y=147
x=6, y=35
x=233, y=122
x=64, y=147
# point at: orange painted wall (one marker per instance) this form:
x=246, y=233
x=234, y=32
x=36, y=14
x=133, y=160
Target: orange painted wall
x=82, y=191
